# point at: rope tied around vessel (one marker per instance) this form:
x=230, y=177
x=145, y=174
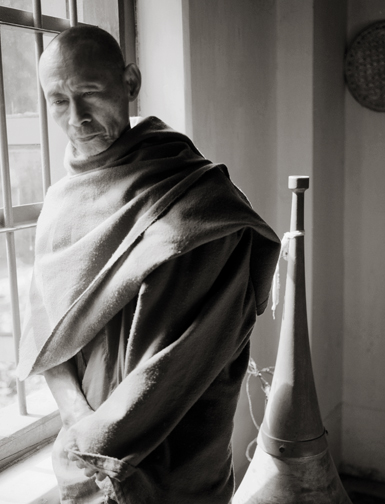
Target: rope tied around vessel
x=253, y=370
x=275, y=286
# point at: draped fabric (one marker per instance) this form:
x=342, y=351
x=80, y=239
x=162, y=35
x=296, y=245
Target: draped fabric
x=150, y=268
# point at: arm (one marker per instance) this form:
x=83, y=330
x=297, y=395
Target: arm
x=73, y=406
x=65, y=387
x=193, y=316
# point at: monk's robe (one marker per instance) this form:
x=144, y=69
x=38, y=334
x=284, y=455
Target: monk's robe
x=150, y=269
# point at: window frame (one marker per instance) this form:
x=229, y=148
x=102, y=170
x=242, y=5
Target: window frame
x=29, y=429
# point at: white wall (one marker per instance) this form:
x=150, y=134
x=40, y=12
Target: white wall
x=160, y=56
x=267, y=94
x=364, y=293
x=259, y=85
x=327, y=213
x=233, y=93
x=219, y=86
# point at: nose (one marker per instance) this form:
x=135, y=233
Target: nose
x=78, y=113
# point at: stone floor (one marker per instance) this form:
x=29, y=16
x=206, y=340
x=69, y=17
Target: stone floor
x=364, y=492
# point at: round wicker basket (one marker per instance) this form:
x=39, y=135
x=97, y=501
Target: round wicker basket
x=365, y=67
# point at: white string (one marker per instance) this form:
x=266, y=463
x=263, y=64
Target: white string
x=283, y=254
x=253, y=370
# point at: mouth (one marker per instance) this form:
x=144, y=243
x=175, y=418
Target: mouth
x=86, y=138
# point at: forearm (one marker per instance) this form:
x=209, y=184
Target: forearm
x=65, y=387
x=203, y=318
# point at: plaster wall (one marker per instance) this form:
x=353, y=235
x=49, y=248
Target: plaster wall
x=268, y=100
x=364, y=293
x=160, y=56
x=247, y=75
x=327, y=269
x=233, y=58
x=225, y=64
x=259, y=85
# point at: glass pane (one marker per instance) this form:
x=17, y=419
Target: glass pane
x=102, y=13
x=24, y=242
x=47, y=38
x=5, y=305
x=25, y=252
x=25, y=166
x=7, y=381
x=19, y=63
x=20, y=87
x=7, y=355
x=17, y=4
x=55, y=8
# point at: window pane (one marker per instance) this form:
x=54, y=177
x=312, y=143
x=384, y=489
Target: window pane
x=103, y=13
x=5, y=306
x=24, y=243
x=55, y=8
x=20, y=84
x=7, y=356
x=7, y=382
x=25, y=252
x=25, y=166
x=17, y=4
x=20, y=87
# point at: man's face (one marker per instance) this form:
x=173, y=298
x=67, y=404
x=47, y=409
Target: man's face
x=86, y=97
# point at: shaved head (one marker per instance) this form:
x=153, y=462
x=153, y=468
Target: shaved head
x=88, y=41
x=88, y=87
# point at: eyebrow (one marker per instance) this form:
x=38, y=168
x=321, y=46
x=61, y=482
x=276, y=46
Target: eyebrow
x=86, y=86
x=54, y=94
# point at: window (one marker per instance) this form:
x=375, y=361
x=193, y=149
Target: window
x=31, y=154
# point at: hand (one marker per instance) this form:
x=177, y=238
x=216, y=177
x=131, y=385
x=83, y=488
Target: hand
x=64, y=383
x=78, y=411
x=89, y=470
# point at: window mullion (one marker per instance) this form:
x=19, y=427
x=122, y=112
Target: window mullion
x=24, y=20
x=10, y=237
x=73, y=13
x=5, y=176
x=44, y=142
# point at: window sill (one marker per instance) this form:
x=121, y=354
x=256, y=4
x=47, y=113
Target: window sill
x=21, y=435
x=30, y=481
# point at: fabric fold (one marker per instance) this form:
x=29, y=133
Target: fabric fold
x=114, y=468
x=150, y=269
x=125, y=210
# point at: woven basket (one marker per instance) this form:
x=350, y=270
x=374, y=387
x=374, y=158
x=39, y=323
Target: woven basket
x=365, y=67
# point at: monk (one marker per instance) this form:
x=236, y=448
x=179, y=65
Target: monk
x=150, y=268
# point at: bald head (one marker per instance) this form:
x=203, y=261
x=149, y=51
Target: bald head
x=88, y=42
x=88, y=87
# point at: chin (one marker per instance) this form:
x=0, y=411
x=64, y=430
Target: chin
x=93, y=150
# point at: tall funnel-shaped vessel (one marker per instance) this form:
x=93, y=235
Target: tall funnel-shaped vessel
x=292, y=463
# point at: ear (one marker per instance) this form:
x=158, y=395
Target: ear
x=133, y=79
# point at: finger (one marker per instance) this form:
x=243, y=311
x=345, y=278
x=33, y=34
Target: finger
x=90, y=471
x=72, y=456
x=101, y=476
x=80, y=464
